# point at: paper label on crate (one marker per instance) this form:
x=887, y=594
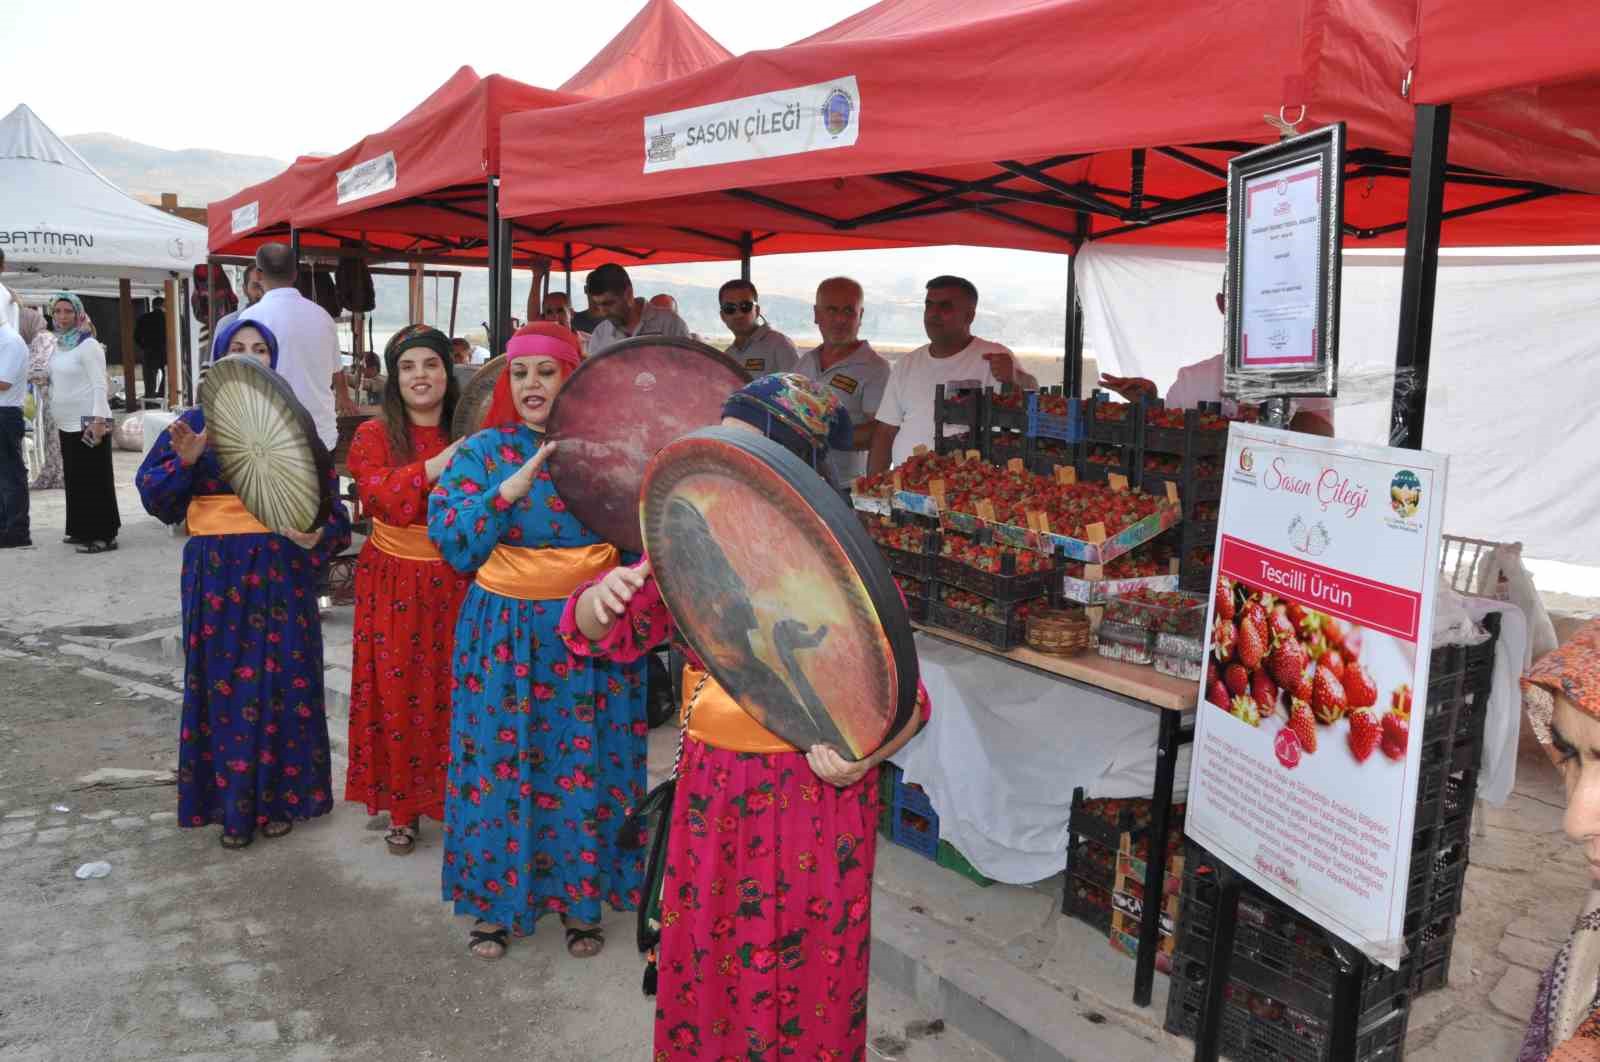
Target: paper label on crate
x=1117, y=481
x=1345, y=539
x=1172, y=492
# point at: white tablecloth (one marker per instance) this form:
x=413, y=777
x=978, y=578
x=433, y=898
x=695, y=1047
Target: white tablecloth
x=1004, y=749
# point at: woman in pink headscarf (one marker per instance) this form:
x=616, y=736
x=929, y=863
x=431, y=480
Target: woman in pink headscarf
x=547, y=750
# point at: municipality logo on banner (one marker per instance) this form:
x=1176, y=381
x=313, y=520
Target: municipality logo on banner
x=783, y=122
x=246, y=217
x=367, y=178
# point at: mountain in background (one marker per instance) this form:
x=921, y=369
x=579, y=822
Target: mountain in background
x=197, y=175
x=1022, y=292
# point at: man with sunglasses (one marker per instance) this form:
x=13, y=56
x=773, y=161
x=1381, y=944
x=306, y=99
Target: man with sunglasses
x=756, y=345
x=847, y=365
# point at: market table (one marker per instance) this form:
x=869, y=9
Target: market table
x=1142, y=687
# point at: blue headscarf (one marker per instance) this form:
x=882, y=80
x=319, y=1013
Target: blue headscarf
x=219, y=348
x=795, y=412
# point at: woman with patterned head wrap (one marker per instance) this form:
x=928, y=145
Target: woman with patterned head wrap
x=253, y=747
x=766, y=891
x=41, y=345
x=547, y=751
x=79, y=405
x=406, y=596
x=1562, y=697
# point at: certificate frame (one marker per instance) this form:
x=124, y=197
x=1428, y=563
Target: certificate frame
x=1283, y=268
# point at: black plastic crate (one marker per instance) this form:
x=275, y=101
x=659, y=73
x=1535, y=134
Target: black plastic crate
x=1258, y=1026
x=1006, y=417
x=1004, y=586
x=1083, y=903
x=1093, y=862
x=997, y=634
x=958, y=409
x=917, y=608
x=1429, y=963
x=1125, y=431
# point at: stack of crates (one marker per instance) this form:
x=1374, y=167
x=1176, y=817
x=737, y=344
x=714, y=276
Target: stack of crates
x=1108, y=844
x=1196, y=481
x=963, y=410
x=1279, y=997
x=912, y=823
x=1006, y=595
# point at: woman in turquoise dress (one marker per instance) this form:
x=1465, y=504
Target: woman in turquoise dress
x=547, y=749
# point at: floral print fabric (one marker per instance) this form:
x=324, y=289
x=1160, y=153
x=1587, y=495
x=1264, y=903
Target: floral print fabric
x=253, y=744
x=405, y=620
x=547, y=749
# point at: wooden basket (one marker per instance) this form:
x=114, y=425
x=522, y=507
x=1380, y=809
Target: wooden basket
x=1059, y=632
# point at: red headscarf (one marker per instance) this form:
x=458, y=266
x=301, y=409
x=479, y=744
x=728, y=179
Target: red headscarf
x=540, y=339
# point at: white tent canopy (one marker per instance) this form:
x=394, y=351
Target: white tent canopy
x=64, y=226
x=1511, y=386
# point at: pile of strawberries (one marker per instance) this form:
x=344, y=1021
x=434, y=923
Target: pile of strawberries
x=1104, y=455
x=1152, y=559
x=989, y=610
x=1172, y=465
x=1159, y=610
x=1071, y=508
x=905, y=537
x=1054, y=405
x=1163, y=417
x=1271, y=655
x=990, y=558
x=909, y=586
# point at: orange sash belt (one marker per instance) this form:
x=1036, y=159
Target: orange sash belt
x=222, y=514
x=544, y=574
x=409, y=542
x=718, y=721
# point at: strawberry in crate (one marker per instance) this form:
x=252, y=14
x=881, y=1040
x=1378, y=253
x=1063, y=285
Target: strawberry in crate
x=1054, y=405
x=909, y=586
x=1162, y=611
x=990, y=558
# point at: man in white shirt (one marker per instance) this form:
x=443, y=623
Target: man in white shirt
x=14, y=531
x=757, y=346
x=10, y=309
x=951, y=356
x=1202, y=382
x=847, y=365
x=308, y=340
x=610, y=293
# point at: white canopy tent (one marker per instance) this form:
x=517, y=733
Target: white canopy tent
x=1515, y=371
x=65, y=226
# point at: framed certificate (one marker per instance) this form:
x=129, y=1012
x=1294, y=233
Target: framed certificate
x=1285, y=228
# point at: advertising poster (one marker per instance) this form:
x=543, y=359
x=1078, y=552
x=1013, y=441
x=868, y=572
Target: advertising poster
x=782, y=122
x=1305, y=771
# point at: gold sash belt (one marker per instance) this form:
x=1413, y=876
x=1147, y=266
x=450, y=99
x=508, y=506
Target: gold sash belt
x=718, y=721
x=409, y=542
x=544, y=574
x=222, y=514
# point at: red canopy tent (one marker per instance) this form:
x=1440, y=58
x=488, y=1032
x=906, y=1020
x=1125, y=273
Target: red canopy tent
x=660, y=43
x=1037, y=123
x=250, y=217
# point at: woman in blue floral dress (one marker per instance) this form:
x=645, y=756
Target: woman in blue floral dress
x=253, y=747
x=547, y=750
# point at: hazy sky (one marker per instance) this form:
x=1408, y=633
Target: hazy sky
x=292, y=77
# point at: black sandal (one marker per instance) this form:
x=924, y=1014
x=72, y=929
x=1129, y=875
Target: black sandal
x=497, y=937
x=99, y=547
x=578, y=936
x=277, y=829
x=233, y=842
x=402, y=840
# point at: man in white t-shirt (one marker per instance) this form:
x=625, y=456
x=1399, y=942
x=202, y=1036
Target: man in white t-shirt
x=308, y=340
x=952, y=355
x=1202, y=382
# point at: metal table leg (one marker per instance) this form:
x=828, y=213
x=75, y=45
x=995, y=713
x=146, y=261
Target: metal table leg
x=1169, y=738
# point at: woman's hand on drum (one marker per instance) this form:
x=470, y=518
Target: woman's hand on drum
x=187, y=443
x=610, y=596
x=517, y=485
x=827, y=764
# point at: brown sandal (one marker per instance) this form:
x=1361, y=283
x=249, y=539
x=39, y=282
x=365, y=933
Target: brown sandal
x=277, y=829
x=578, y=941
x=478, y=936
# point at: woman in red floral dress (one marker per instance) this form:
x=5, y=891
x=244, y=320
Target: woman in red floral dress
x=406, y=596
x=766, y=900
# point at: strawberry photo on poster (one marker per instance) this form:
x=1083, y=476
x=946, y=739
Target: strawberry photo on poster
x=1321, y=690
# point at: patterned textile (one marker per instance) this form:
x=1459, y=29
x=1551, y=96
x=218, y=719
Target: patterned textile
x=1572, y=671
x=767, y=899
x=547, y=750
x=794, y=412
x=253, y=745
x=1565, y=1024
x=404, y=629
x=48, y=476
x=82, y=328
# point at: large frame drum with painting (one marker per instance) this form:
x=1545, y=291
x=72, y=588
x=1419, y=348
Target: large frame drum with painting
x=267, y=445
x=776, y=585
x=618, y=410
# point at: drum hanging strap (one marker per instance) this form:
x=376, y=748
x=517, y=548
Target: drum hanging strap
x=658, y=803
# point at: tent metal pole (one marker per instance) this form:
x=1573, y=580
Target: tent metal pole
x=503, y=277
x=566, y=262
x=496, y=341
x=294, y=245
x=1072, y=385
x=746, y=247
x=187, y=392
x=1420, y=275
x=125, y=323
